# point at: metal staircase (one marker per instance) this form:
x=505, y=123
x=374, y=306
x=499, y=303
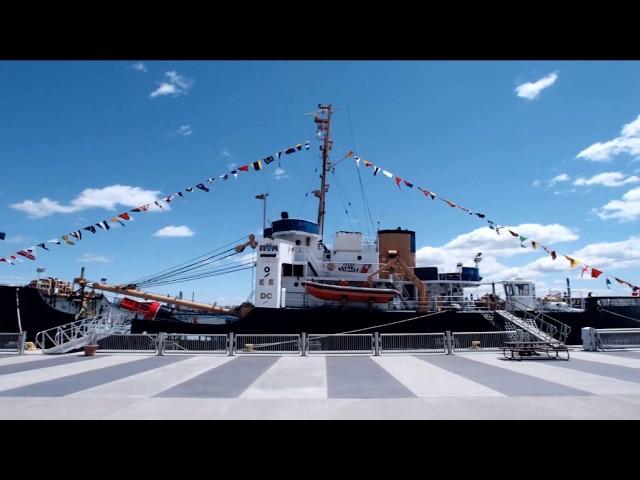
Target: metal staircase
x=533, y=325
x=77, y=334
x=488, y=316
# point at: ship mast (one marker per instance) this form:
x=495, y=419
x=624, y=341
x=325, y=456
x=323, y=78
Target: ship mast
x=323, y=119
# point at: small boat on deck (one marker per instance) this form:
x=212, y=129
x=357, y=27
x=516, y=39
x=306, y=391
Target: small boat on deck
x=350, y=293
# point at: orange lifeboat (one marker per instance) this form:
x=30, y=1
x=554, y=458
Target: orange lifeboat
x=348, y=293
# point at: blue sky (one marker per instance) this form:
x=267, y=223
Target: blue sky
x=547, y=148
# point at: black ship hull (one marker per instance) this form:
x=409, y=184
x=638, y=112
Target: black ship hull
x=596, y=316
x=322, y=320
x=37, y=314
x=282, y=321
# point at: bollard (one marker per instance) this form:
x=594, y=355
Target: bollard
x=587, y=338
x=376, y=344
x=21, y=338
x=160, y=343
x=449, y=342
x=231, y=344
x=303, y=346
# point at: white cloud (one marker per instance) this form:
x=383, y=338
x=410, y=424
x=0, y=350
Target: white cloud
x=632, y=129
x=107, y=198
x=173, y=231
x=536, y=183
x=463, y=247
x=176, y=86
x=16, y=239
x=184, y=130
x=91, y=258
x=225, y=153
x=607, y=179
x=611, y=255
x=560, y=192
x=627, y=142
x=626, y=209
x=563, y=177
x=140, y=67
x=164, y=89
x=604, y=152
x=492, y=245
x=604, y=255
x=531, y=90
x=280, y=173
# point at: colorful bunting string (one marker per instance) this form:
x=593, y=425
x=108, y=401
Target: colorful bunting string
x=104, y=224
x=595, y=273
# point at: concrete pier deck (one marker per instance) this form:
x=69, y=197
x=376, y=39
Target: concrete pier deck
x=592, y=385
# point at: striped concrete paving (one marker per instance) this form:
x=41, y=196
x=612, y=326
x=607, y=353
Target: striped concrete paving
x=469, y=385
x=552, y=371
x=152, y=382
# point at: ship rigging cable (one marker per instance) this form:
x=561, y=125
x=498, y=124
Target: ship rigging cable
x=192, y=272
x=365, y=203
x=201, y=260
x=307, y=190
x=343, y=198
x=206, y=274
x=619, y=315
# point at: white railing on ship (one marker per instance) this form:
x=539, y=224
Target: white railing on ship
x=182, y=343
x=340, y=343
x=456, y=303
x=465, y=304
x=619, y=302
x=263, y=343
x=611, y=338
x=470, y=341
x=413, y=343
x=130, y=343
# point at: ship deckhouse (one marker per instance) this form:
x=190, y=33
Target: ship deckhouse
x=296, y=269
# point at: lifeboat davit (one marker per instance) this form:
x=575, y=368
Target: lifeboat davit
x=349, y=293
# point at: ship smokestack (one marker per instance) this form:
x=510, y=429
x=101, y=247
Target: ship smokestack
x=396, y=243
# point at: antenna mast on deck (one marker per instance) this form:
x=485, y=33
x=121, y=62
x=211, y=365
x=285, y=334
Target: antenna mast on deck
x=323, y=119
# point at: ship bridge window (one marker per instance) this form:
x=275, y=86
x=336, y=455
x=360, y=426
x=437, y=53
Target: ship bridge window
x=289, y=270
x=522, y=290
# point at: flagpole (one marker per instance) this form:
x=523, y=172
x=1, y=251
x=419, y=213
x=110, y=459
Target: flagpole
x=324, y=129
x=263, y=197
